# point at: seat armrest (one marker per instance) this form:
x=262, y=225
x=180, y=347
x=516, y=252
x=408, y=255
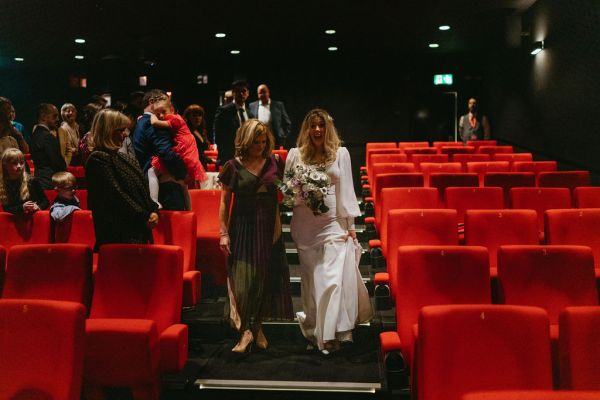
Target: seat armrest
x=173, y=348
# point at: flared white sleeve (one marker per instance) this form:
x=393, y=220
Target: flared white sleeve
x=347, y=205
x=290, y=160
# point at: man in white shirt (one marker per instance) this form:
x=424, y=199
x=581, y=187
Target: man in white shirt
x=272, y=113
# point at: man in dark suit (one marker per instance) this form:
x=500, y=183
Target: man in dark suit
x=272, y=113
x=149, y=141
x=44, y=148
x=229, y=118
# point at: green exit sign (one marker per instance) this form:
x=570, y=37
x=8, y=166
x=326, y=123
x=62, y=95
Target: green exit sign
x=443, y=79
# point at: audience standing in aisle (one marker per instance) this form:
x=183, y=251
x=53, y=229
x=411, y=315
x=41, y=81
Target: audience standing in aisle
x=195, y=118
x=19, y=192
x=272, y=113
x=45, y=150
x=473, y=125
x=68, y=135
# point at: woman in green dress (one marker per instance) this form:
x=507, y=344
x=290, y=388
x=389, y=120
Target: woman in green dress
x=258, y=274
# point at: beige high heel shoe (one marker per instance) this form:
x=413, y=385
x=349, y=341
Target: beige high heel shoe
x=245, y=343
x=261, y=340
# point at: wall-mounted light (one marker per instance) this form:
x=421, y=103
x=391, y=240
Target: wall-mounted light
x=537, y=47
x=220, y=35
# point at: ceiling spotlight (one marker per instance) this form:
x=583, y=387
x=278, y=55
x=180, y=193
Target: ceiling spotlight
x=330, y=31
x=220, y=35
x=433, y=45
x=444, y=27
x=79, y=40
x=78, y=57
x=20, y=59
x=332, y=48
x=234, y=52
x=537, y=47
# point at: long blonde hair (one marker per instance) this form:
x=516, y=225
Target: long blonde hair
x=246, y=134
x=12, y=155
x=332, y=140
x=106, y=122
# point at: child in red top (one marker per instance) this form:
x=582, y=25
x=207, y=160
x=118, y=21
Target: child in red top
x=184, y=146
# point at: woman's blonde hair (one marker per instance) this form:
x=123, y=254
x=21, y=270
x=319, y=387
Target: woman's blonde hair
x=106, y=122
x=246, y=135
x=11, y=155
x=65, y=107
x=331, y=143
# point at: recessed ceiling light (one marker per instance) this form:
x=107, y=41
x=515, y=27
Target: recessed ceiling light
x=444, y=27
x=79, y=40
x=220, y=35
x=20, y=59
x=78, y=57
x=330, y=31
x=332, y=48
x=235, y=52
x=434, y=45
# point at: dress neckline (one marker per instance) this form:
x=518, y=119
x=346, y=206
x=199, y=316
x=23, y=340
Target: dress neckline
x=260, y=172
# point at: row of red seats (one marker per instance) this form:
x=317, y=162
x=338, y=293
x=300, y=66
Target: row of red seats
x=132, y=334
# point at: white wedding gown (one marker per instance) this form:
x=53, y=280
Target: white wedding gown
x=334, y=297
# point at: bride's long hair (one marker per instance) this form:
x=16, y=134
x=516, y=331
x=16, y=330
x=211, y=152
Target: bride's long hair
x=331, y=143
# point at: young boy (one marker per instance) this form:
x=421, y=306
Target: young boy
x=65, y=202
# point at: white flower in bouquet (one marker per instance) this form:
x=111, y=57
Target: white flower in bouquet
x=306, y=184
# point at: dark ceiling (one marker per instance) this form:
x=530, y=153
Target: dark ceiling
x=43, y=32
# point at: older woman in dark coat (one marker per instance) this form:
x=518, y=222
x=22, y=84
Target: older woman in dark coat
x=118, y=194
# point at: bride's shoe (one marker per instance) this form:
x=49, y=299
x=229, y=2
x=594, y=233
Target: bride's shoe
x=245, y=343
x=261, y=340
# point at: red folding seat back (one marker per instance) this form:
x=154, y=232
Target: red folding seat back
x=550, y=277
x=76, y=228
x=579, y=348
x=387, y=168
x=512, y=157
x=384, y=158
x=441, y=181
x=282, y=153
x=210, y=260
x=509, y=180
x=419, y=158
x=488, y=166
x=587, y=197
x=494, y=228
x=2, y=267
x=178, y=228
x=473, y=198
x=491, y=150
x=540, y=200
x=403, y=198
x=50, y=195
x=491, y=347
x=575, y=226
x=413, y=151
x=417, y=227
x=534, y=166
x=448, y=167
x=380, y=145
x=403, y=179
x=439, y=144
x=22, y=229
x=568, y=179
x=435, y=275
x=465, y=158
x=478, y=143
x=404, y=145
x=533, y=395
x=371, y=152
x=82, y=195
x=452, y=150
x=42, y=345
x=49, y=272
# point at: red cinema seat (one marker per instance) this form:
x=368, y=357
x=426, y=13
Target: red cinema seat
x=50, y=195
x=2, y=267
x=512, y=157
x=405, y=145
x=23, y=229
x=381, y=145
x=210, y=260
x=575, y=226
x=434, y=275
x=385, y=168
x=491, y=150
x=482, y=168
x=568, y=179
x=431, y=168
x=133, y=333
x=466, y=158
x=587, y=197
x=534, y=166
x=282, y=153
x=579, y=348
x=540, y=200
x=533, y=395
x=453, y=150
x=439, y=144
x=550, y=277
x=478, y=143
x=384, y=159
x=371, y=152
x=495, y=228
x=413, y=151
x=441, y=181
x=509, y=180
x=419, y=158
x=77, y=228
x=467, y=348
x=42, y=345
x=178, y=228
x=473, y=198
x=402, y=179
x=49, y=272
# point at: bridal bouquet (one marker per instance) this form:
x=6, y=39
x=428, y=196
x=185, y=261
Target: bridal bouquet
x=308, y=184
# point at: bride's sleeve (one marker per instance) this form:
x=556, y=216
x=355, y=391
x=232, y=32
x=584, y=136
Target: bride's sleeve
x=290, y=160
x=347, y=205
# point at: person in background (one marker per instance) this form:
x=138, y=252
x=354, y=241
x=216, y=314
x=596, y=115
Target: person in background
x=118, y=195
x=68, y=135
x=258, y=274
x=45, y=150
x=19, y=192
x=473, y=126
x=272, y=113
x=194, y=117
x=20, y=127
x=85, y=144
x=65, y=202
x=7, y=130
x=227, y=97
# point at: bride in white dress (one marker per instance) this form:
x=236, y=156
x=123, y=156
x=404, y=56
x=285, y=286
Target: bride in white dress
x=334, y=297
